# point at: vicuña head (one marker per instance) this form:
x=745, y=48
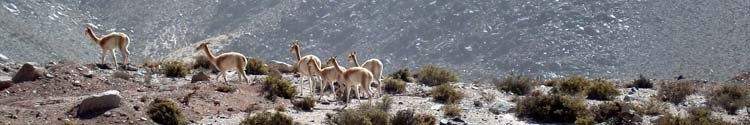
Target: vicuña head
x=109, y=42
x=225, y=62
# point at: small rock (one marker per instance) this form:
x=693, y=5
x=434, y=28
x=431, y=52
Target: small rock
x=27, y=73
x=103, y=66
x=325, y=102
x=444, y=122
x=628, y=98
x=143, y=119
x=129, y=67
x=137, y=108
x=231, y=109
x=49, y=75
x=199, y=77
x=501, y=106
x=99, y=103
x=5, y=84
x=400, y=103
x=458, y=119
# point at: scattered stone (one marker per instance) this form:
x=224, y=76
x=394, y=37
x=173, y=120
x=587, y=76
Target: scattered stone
x=143, y=119
x=199, y=77
x=27, y=73
x=231, y=109
x=632, y=91
x=104, y=66
x=627, y=98
x=77, y=83
x=325, y=102
x=444, y=122
x=99, y=103
x=458, y=119
x=49, y=75
x=129, y=67
x=501, y=106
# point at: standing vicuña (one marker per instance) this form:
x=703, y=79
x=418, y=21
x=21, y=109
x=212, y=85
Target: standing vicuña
x=109, y=42
x=329, y=75
x=374, y=65
x=226, y=61
x=303, y=67
x=354, y=77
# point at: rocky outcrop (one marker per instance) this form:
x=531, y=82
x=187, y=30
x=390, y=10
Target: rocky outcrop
x=199, y=77
x=97, y=104
x=28, y=72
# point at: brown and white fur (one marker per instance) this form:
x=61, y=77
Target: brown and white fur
x=226, y=61
x=374, y=65
x=354, y=77
x=304, y=69
x=328, y=75
x=109, y=42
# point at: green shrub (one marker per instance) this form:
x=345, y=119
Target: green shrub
x=696, y=116
x=402, y=74
x=675, y=92
x=570, y=86
x=616, y=113
x=276, y=86
x=267, y=118
x=256, y=66
x=432, y=75
x=175, y=69
x=447, y=94
x=307, y=104
x=518, y=85
x=165, y=112
x=394, y=86
x=602, y=90
x=551, y=108
x=202, y=62
x=652, y=107
x=642, y=82
x=226, y=88
x=364, y=115
x=731, y=97
x=452, y=110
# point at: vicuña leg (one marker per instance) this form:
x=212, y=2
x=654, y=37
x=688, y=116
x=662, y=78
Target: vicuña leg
x=114, y=58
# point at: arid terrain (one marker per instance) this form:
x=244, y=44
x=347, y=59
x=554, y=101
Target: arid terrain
x=53, y=99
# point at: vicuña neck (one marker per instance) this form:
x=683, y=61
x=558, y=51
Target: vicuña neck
x=297, y=54
x=336, y=65
x=209, y=54
x=355, y=61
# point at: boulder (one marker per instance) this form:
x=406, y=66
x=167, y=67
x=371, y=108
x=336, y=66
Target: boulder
x=28, y=72
x=502, y=106
x=98, y=104
x=199, y=77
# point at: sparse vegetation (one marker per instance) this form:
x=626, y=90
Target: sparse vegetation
x=226, y=88
x=616, y=113
x=202, y=62
x=307, y=104
x=518, y=85
x=175, y=69
x=487, y=97
x=394, y=86
x=408, y=117
x=402, y=74
x=675, y=92
x=276, y=86
x=551, y=108
x=452, y=110
x=256, y=66
x=165, y=112
x=385, y=103
x=432, y=75
x=731, y=97
x=696, y=116
x=267, y=118
x=651, y=107
x=447, y=94
x=280, y=108
x=364, y=115
x=602, y=90
x=570, y=86
x=642, y=82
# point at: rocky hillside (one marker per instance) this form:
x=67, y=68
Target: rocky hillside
x=480, y=39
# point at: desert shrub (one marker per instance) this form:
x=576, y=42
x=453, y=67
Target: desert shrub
x=365, y=114
x=570, y=85
x=675, y=92
x=385, y=103
x=276, y=86
x=280, y=108
x=256, y=66
x=447, y=94
x=642, y=82
x=696, y=116
x=452, y=110
x=202, y=62
x=408, y=117
x=616, y=113
x=307, y=104
x=551, y=108
x=226, y=88
x=602, y=90
x=402, y=74
x=519, y=85
x=731, y=97
x=165, y=112
x=175, y=69
x=651, y=107
x=487, y=97
x=267, y=118
x=585, y=120
x=394, y=86
x=432, y=75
